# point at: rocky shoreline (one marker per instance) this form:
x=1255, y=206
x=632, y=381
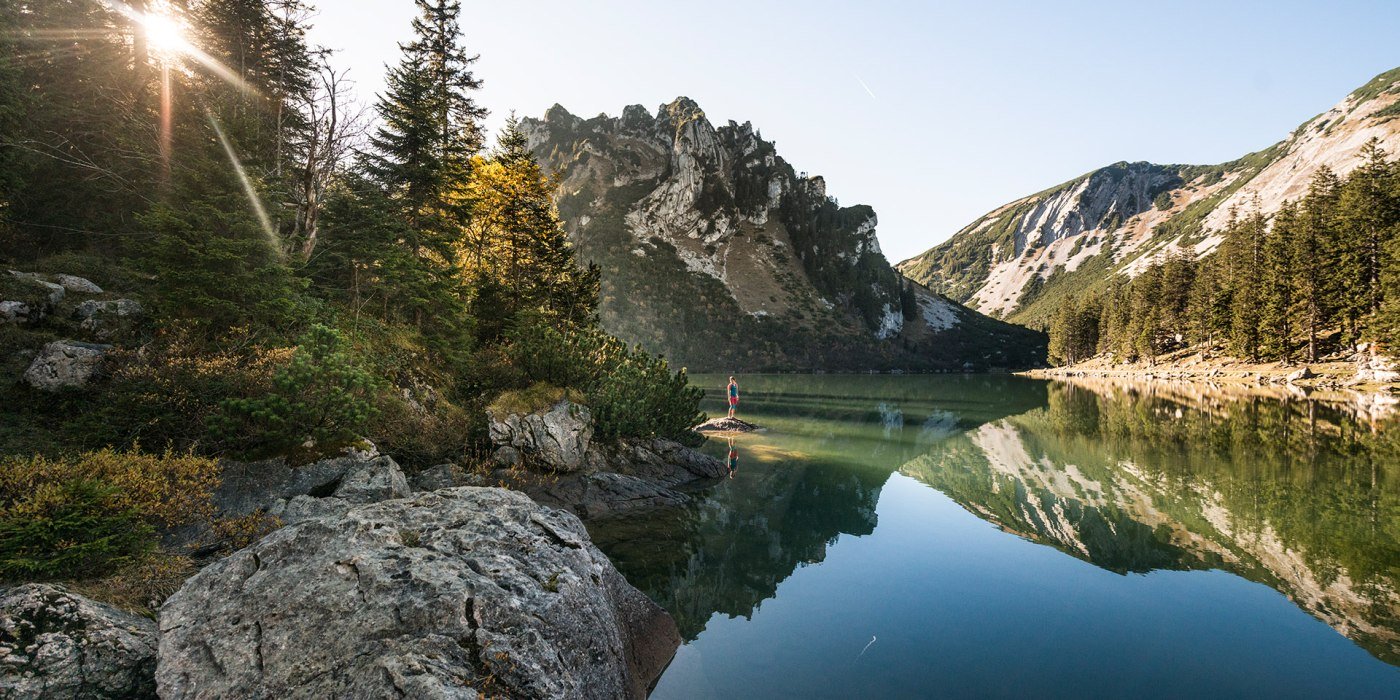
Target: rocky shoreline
x=362, y=581
x=1366, y=380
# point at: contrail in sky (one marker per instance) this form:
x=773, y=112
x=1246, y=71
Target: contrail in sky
x=867, y=87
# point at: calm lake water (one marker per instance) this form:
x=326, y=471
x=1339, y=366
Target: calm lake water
x=929, y=536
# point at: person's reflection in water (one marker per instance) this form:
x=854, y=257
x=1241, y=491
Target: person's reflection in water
x=733, y=458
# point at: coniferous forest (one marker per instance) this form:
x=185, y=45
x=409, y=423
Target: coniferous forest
x=1320, y=276
x=301, y=272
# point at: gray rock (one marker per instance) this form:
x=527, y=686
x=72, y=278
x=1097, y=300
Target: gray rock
x=14, y=312
x=379, y=479
x=451, y=594
x=725, y=425
x=56, y=291
x=106, y=319
x=77, y=285
x=1372, y=368
x=300, y=508
x=247, y=487
x=508, y=456
x=1304, y=373
x=65, y=364
x=444, y=476
x=601, y=495
x=556, y=438
x=661, y=461
x=56, y=644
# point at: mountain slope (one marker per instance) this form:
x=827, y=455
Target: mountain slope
x=1018, y=261
x=717, y=253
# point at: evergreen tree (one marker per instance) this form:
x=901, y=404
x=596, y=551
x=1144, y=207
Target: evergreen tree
x=517, y=253
x=1244, y=244
x=1369, y=216
x=1145, y=326
x=431, y=128
x=1209, y=305
x=1315, y=244
x=1277, y=285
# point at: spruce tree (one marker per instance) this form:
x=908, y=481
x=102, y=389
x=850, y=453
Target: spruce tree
x=431, y=128
x=1315, y=249
x=1277, y=285
x=518, y=244
x=1369, y=214
x=1245, y=247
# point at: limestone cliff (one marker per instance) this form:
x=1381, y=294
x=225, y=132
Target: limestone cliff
x=1020, y=260
x=718, y=253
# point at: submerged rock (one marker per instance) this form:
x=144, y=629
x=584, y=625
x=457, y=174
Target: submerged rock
x=65, y=364
x=556, y=437
x=56, y=644
x=451, y=594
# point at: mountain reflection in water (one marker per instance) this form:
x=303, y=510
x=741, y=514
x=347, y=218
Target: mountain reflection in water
x=1299, y=495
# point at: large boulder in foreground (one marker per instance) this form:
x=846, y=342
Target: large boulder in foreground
x=451, y=594
x=56, y=644
x=65, y=364
x=555, y=436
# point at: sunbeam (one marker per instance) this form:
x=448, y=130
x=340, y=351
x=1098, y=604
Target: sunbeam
x=253, y=199
x=169, y=37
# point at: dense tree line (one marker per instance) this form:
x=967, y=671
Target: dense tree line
x=1320, y=275
x=214, y=164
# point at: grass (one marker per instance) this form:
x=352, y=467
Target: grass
x=537, y=398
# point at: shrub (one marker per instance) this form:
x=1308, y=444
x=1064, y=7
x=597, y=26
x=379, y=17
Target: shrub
x=631, y=393
x=88, y=516
x=70, y=529
x=168, y=393
x=320, y=395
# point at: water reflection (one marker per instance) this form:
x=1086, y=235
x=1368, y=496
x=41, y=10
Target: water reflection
x=830, y=444
x=1300, y=495
x=1297, y=495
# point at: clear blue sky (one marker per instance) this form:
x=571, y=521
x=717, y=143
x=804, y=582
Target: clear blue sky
x=965, y=105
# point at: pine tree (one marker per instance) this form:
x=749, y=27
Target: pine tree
x=1210, y=303
x=1369, y=214
x=517, y=243
x=1315, y=243
x=1277, y=285
x=1178, y=277
x=1245, y=248
x=421, y=160
x=1145, y=327
x=431, y=128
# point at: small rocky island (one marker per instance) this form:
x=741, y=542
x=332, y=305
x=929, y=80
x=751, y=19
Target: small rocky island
x=726, y=425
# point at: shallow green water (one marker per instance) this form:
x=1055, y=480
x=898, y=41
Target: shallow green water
x=924, y=536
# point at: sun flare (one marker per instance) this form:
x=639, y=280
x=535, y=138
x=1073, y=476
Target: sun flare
x=165, y=33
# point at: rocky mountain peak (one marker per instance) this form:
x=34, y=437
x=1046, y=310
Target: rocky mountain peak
x=705, y=232
x=1016, y=260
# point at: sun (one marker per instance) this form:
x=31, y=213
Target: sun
x=164, y=32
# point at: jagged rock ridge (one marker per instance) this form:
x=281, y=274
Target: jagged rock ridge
x=1021, y=259
x=718, y=253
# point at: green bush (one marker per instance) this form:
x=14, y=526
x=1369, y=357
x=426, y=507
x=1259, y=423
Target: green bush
x=75, y=531
x=170, y=393
x=89, y=516
x=631, y=393
x=320, y=395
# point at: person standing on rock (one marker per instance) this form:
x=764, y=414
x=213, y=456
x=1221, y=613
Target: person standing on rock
x=733, y=396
